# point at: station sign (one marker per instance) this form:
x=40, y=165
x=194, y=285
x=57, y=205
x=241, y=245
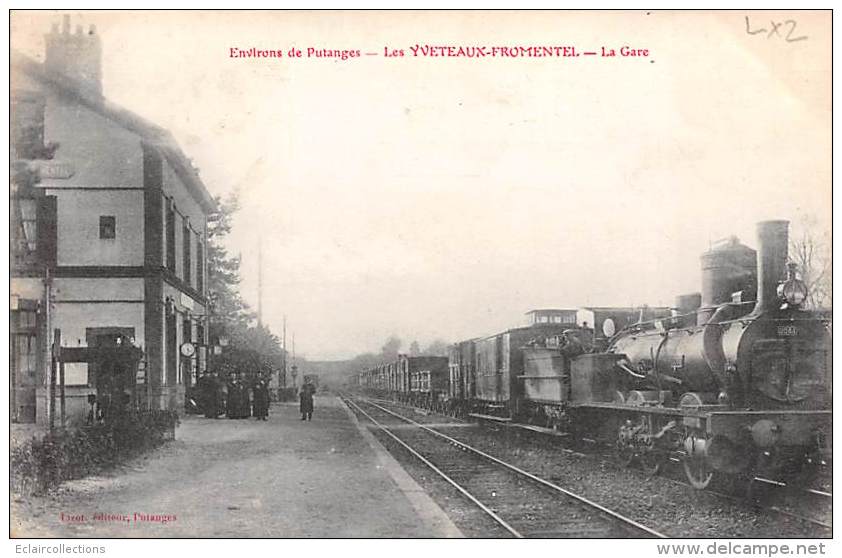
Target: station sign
x=54, y=170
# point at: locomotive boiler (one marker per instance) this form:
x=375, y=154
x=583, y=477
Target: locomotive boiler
x=746, y=386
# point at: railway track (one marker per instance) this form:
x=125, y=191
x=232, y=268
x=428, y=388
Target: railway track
x=518, y=503
x=763, y=492
x=770, y=496
x=813, y=500
x=766, y=494
x=812, y=491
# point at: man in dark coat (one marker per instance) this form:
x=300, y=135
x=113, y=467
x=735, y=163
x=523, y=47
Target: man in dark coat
x=261, y=400
x=211, y=396
x=218, y=394
x=570, y=345
x=234, y=406
x=203, y=394
x=245, y=400
x=306, y=400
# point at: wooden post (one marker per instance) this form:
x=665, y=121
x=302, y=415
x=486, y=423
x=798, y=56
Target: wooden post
x=135, y=395
x=52, y=406
x=61, y=393
x=146, y=383
x=56, y=356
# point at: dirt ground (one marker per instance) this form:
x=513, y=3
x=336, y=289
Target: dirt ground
x=237, y=478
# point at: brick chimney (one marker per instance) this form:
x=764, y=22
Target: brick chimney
x=77, y=56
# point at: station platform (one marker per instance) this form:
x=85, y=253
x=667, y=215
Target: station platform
x=284, y=478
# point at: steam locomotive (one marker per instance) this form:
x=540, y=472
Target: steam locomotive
x=734, y=380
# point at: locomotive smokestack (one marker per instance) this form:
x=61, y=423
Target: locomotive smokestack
x=773, y=243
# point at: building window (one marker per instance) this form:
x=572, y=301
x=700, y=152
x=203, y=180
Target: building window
x=171, y=347
x=24, y=361
x=28, y=223
x=170, y=236
x=23, y=353
x=200, y=267
x=107, y=227
x=201, y=348
x=26, y=320
x=24, y=357
x=187, y=242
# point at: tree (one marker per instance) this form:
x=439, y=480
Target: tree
x=809, y=247
x=253, y=350
x=437, y=347
x=362, y=362
x=26, y=128
x=228, y=311
x=389, y=352
x=391, y=348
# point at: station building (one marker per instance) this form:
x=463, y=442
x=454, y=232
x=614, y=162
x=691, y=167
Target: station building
x=108, y=234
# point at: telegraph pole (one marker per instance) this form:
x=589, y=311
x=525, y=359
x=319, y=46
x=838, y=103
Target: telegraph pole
x=294, y=367
x=259, y=281
x=284, y=372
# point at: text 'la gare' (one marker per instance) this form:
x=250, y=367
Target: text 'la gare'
x=626, y=51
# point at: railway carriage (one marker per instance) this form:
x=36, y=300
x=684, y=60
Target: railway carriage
x=420, y=380
x=402, y=389
x=499, y=367
x=428, y=381
x=461, y=387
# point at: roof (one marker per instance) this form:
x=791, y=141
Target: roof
x=550, y=310
x=533, y=327
x=623, y=308
x=152, y=134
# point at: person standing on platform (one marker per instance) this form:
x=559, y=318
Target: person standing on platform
x=306, y=400
x=212, y=400
x=245, y=400
x=203, y=391
x=234, y=406
x=261, y=400
x=230, y=398
x=218, y=392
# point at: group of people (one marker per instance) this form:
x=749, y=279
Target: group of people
x=239, y=403
x=243, y=401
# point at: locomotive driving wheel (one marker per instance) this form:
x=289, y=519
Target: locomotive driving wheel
x=698, y=472
x=626, y=456
x=636, y=445
x=651, y=462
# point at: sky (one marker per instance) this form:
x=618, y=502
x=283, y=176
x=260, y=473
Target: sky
x=443, y=197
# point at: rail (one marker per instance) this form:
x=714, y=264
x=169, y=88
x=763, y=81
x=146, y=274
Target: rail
x=438, y=471
x=760, y=480
x=525, y=474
